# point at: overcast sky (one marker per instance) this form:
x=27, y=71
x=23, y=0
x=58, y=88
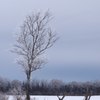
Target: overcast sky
x=74, y=57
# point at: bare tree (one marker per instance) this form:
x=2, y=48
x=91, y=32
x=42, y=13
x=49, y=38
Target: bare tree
x=34, y=39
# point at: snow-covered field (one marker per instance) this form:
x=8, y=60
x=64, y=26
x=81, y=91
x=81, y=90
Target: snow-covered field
x=55, y=98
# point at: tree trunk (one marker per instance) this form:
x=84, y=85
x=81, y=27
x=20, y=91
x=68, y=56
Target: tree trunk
x=28, y=88
x=27, y=96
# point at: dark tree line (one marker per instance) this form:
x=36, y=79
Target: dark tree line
x=53, y=87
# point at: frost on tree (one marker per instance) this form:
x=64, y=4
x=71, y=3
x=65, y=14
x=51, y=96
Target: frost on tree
x=34, y=39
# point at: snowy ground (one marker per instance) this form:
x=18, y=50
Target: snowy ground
x=55, y=98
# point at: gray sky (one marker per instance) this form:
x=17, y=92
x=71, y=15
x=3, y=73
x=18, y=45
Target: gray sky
x=75, y=57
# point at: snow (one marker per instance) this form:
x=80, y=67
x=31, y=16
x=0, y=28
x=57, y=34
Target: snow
x=55, y=98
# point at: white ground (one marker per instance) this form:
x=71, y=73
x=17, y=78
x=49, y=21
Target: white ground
x=55, y=98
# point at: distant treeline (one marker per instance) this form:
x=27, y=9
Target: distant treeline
x=53, y=87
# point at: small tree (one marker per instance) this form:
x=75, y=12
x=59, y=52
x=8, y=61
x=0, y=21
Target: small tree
x=88, y=94
x=17, y=91
x=61, y=98
x=3, y=96
x=34, y=39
